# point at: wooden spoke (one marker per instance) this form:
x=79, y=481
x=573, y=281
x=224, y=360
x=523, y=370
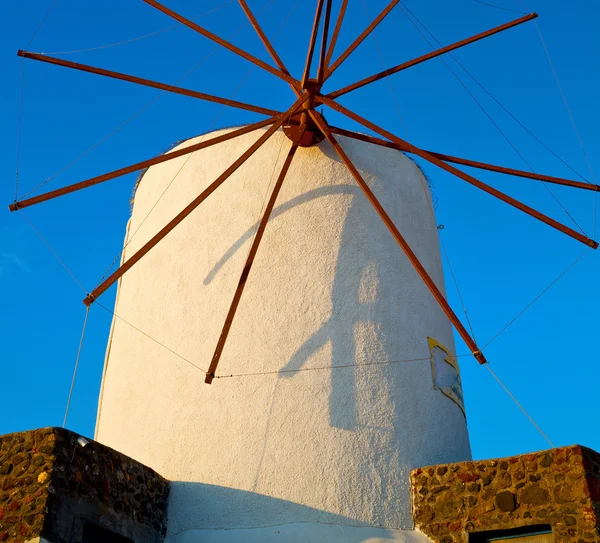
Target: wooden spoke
x=223, y=43
x=437, y=294
x=248, y=266
x=324, y=37
x=311, y=45
x=462, y=175
x=361, y=38
x=336, y=33
x=148, y=83
x=139, y=166
x=263, y=36
x=467, y=162
x=431, y=55
x=100, y=289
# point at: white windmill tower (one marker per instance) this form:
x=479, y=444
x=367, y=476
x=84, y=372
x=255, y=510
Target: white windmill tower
x=338, y=375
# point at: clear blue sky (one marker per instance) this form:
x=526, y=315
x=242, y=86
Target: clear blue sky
x=502, y=259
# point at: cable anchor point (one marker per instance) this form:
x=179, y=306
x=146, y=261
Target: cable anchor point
x=479, y=356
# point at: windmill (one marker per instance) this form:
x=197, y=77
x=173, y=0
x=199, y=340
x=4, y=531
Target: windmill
x=305, y=126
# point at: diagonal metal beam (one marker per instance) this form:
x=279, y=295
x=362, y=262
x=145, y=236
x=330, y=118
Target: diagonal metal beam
x=428, y=56
x=467, y=162
x=139, y=165
x=248, y=266
x=223, y=43
x=100, y=289
x=336, y=32
x=435, y=291
x=361, y=38
x=462, y=175
x=324, y=37
x=311, y=44
x=147, y=83
x=263, y=36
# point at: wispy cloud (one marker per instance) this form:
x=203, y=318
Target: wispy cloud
x=11, y=260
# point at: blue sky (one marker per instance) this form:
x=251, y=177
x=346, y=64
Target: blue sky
x=502, y=259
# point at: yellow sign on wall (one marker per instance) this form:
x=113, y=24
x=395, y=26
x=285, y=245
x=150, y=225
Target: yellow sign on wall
x=446, y=375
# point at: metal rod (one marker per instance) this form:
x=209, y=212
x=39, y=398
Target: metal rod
x=147, y=83
x=263, y=36
x=222, y=42
x=210, y=374
x=139, y=166
x=311, y=45
x=467, y=162
x=431, y=55
x=336, y=32
x=92, y=296
x=361, y=38
x=322, y=65
x=462, y=175
x=437, y=294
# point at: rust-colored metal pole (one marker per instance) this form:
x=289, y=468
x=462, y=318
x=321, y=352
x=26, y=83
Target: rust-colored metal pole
x=263, y=37
x=435, y=291
x=139, y=166
x=361, y=38
x=100, y=289
x=336, y=32
x=324, y=37
x=248, y=266
x=467, y=162
x=222, y=42
x=458, y=173
x=148, y=83
x=431, y=55
x=311, y=44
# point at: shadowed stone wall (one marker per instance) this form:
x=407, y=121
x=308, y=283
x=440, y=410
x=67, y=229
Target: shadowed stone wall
x=50, y=487
x=559, y=487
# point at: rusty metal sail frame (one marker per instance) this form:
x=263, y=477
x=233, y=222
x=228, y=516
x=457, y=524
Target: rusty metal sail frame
x=305, y=127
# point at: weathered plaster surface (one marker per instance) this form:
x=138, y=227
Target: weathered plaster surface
x=329, y=287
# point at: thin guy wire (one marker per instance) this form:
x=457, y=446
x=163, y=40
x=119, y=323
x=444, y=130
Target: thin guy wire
x=397, y=105
x=334, y=367
x=149, y=337
x=217, y=8
x=508, y=112
x=221, y=110
x=72, y=275
x=87, y=312
x=20, y=121
x=519, y=406
x=138, y=113
x=188, y=157
x=575, y=129
x=41, y=23
x=520, y=314
x=19, y=127
x=52, y=251
x=500, y=7
x=480, y=105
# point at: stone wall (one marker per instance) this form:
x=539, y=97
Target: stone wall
x=559, y=488
x=51, y=486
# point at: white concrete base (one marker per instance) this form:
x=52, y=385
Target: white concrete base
x=301, y=533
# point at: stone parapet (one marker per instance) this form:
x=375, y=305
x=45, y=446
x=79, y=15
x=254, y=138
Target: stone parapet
x=55, y=487
x=558, y=488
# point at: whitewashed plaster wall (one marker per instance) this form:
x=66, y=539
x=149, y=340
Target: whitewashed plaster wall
x=329, y=287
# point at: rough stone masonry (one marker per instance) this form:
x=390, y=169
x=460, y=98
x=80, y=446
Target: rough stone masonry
x=559, y=488
x=54, y=488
